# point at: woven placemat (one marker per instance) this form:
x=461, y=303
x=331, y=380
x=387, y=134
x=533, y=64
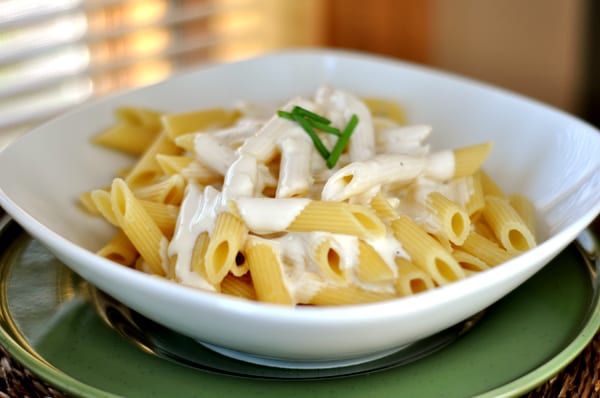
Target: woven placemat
x=580, y=379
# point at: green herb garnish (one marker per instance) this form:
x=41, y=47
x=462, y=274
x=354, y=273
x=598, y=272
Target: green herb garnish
x=316, y=121
x=342, y=142
x=311, y=115
x=286, y=115
x=309, y=121
x=326, y=128
x=315, y=138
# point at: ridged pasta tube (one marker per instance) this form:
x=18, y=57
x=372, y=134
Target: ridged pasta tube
x=452, y=220
x=508, y=226
x=411, y=279
x=226, y=241
x=426, y=252
x=119, y=249
x=305, y=215
x=347, y=294
x=371, y=268
x=139, y=227
x=485, y=249
x=266, y=270
x=359, y=177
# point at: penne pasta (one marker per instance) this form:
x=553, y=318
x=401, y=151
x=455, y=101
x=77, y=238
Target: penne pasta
x=329, y=260
x=147, y=170
x=187, y=167
x=134, y=132
x=120, y=250
x=225, y=242
x=371, y=267
x=468, y=160
x=238, y=287
x=87, y=203
x=104, y=205
x=338, y=218
x=382, y=207
x=411, y=279
x=198, y=261
x=163, y=214
x=332, y=200
x=485, y=249
x=507, y=225
x=295, y=176
x=359, y=177
x=138, y=116
x=210, y=153
x=426, y=252
x=469, y=262
x=525, y=209
x=168, y=190
x=346, y=295
x=476, y=201
x=263, y=144
x=406, y=140
x=483, y=229
x=453, y=222
x=139, y=227
x=128, y=138
x=489, y=186
x=266, y=271
x=387, y=109
x=177, y=124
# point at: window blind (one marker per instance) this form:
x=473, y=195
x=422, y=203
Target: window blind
x=56, y=55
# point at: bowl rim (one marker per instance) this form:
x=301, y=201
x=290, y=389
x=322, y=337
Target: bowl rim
x=320, y=314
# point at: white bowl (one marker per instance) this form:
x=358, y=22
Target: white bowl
x=551, y=157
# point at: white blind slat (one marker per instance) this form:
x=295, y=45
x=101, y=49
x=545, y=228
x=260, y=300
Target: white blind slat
x=57, y=54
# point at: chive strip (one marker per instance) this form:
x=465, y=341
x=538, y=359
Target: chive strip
x=326, y=128
x=298, y=110
x=341, y=143
x=286, y=115
x=315, y=138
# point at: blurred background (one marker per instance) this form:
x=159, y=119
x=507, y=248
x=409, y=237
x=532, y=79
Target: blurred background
x=60, y=53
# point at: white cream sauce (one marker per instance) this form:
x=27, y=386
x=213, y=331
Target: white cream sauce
x=241, y=154
x=197, y=214
x=267, y=216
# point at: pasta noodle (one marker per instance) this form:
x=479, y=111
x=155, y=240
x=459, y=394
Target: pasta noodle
x=139, y=227
x=371, y=267
x=426, y=252
x=134, y=133
x=485, y=249
x=476, y=200
x=411, y=279
x=119, y=249
x=147, y=169
x=338, y=217
x=225, y=242
x=508, y=226
x=525, y=209
x=328, y=200
x=347, y=294
x=178, y=124
x=266, y=271
x=329, y=261
x=452, y=219
x=382, y=207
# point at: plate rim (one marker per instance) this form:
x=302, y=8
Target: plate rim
x=10, y=231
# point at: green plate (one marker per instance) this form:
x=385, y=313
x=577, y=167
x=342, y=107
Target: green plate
x=49, y=324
